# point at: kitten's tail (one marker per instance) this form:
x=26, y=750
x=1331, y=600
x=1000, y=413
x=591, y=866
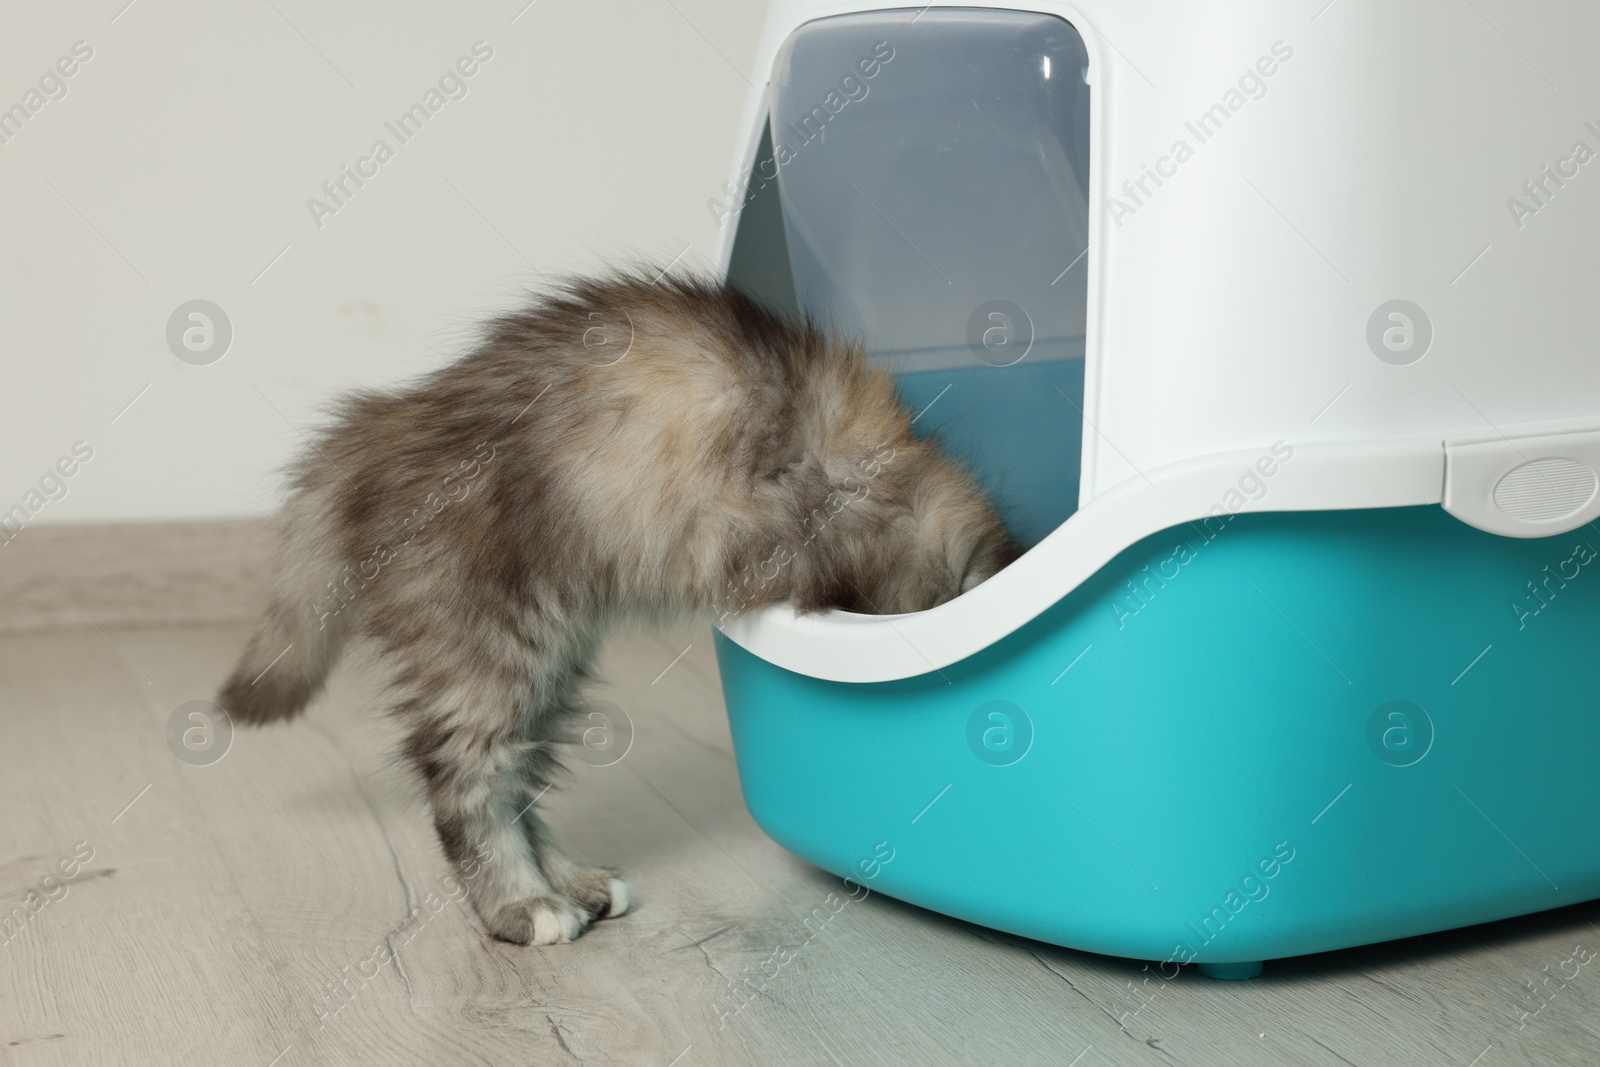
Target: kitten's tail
x=299, y=637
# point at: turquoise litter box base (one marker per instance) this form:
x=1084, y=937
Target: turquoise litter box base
x=1303, y=732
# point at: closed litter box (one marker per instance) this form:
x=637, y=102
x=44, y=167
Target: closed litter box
x=1299, y=419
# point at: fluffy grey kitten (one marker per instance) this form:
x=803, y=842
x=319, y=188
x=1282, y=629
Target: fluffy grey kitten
x=621, y=448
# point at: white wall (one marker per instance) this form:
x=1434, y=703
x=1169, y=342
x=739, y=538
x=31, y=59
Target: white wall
x=179, y=164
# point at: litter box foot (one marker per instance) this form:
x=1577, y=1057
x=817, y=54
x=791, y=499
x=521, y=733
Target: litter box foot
x=1230, y=970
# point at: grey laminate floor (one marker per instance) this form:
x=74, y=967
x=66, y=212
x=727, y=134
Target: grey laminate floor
x=222, y=903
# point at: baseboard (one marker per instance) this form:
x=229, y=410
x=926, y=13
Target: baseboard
x=109, y=574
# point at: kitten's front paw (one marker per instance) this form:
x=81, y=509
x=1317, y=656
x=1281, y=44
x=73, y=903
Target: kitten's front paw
x=539, y=921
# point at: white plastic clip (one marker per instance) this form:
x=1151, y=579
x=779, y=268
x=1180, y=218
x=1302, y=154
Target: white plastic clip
x=1524, y=486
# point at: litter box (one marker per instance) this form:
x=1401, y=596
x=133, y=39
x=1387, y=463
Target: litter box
x=1270, y=332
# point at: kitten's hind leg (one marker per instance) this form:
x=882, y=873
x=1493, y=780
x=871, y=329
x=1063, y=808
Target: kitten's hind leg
x=466, y=742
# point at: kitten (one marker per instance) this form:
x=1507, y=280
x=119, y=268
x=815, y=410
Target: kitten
x=620, y=448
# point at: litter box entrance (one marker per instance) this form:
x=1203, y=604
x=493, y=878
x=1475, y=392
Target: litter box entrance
x=931, y=182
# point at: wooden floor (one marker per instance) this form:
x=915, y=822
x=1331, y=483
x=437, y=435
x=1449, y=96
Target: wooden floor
x=224, y=905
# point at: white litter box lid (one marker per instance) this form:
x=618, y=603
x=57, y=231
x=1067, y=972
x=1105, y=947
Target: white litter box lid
x=1367, y=273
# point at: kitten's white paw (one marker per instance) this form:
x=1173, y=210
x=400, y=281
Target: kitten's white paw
x=598, y=891
x=557, y=921
x=619, y=898
x=539, y=921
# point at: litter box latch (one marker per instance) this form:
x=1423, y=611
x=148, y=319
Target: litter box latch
x=1524, y=486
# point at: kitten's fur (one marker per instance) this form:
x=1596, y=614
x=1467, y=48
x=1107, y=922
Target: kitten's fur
x=625, y=447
